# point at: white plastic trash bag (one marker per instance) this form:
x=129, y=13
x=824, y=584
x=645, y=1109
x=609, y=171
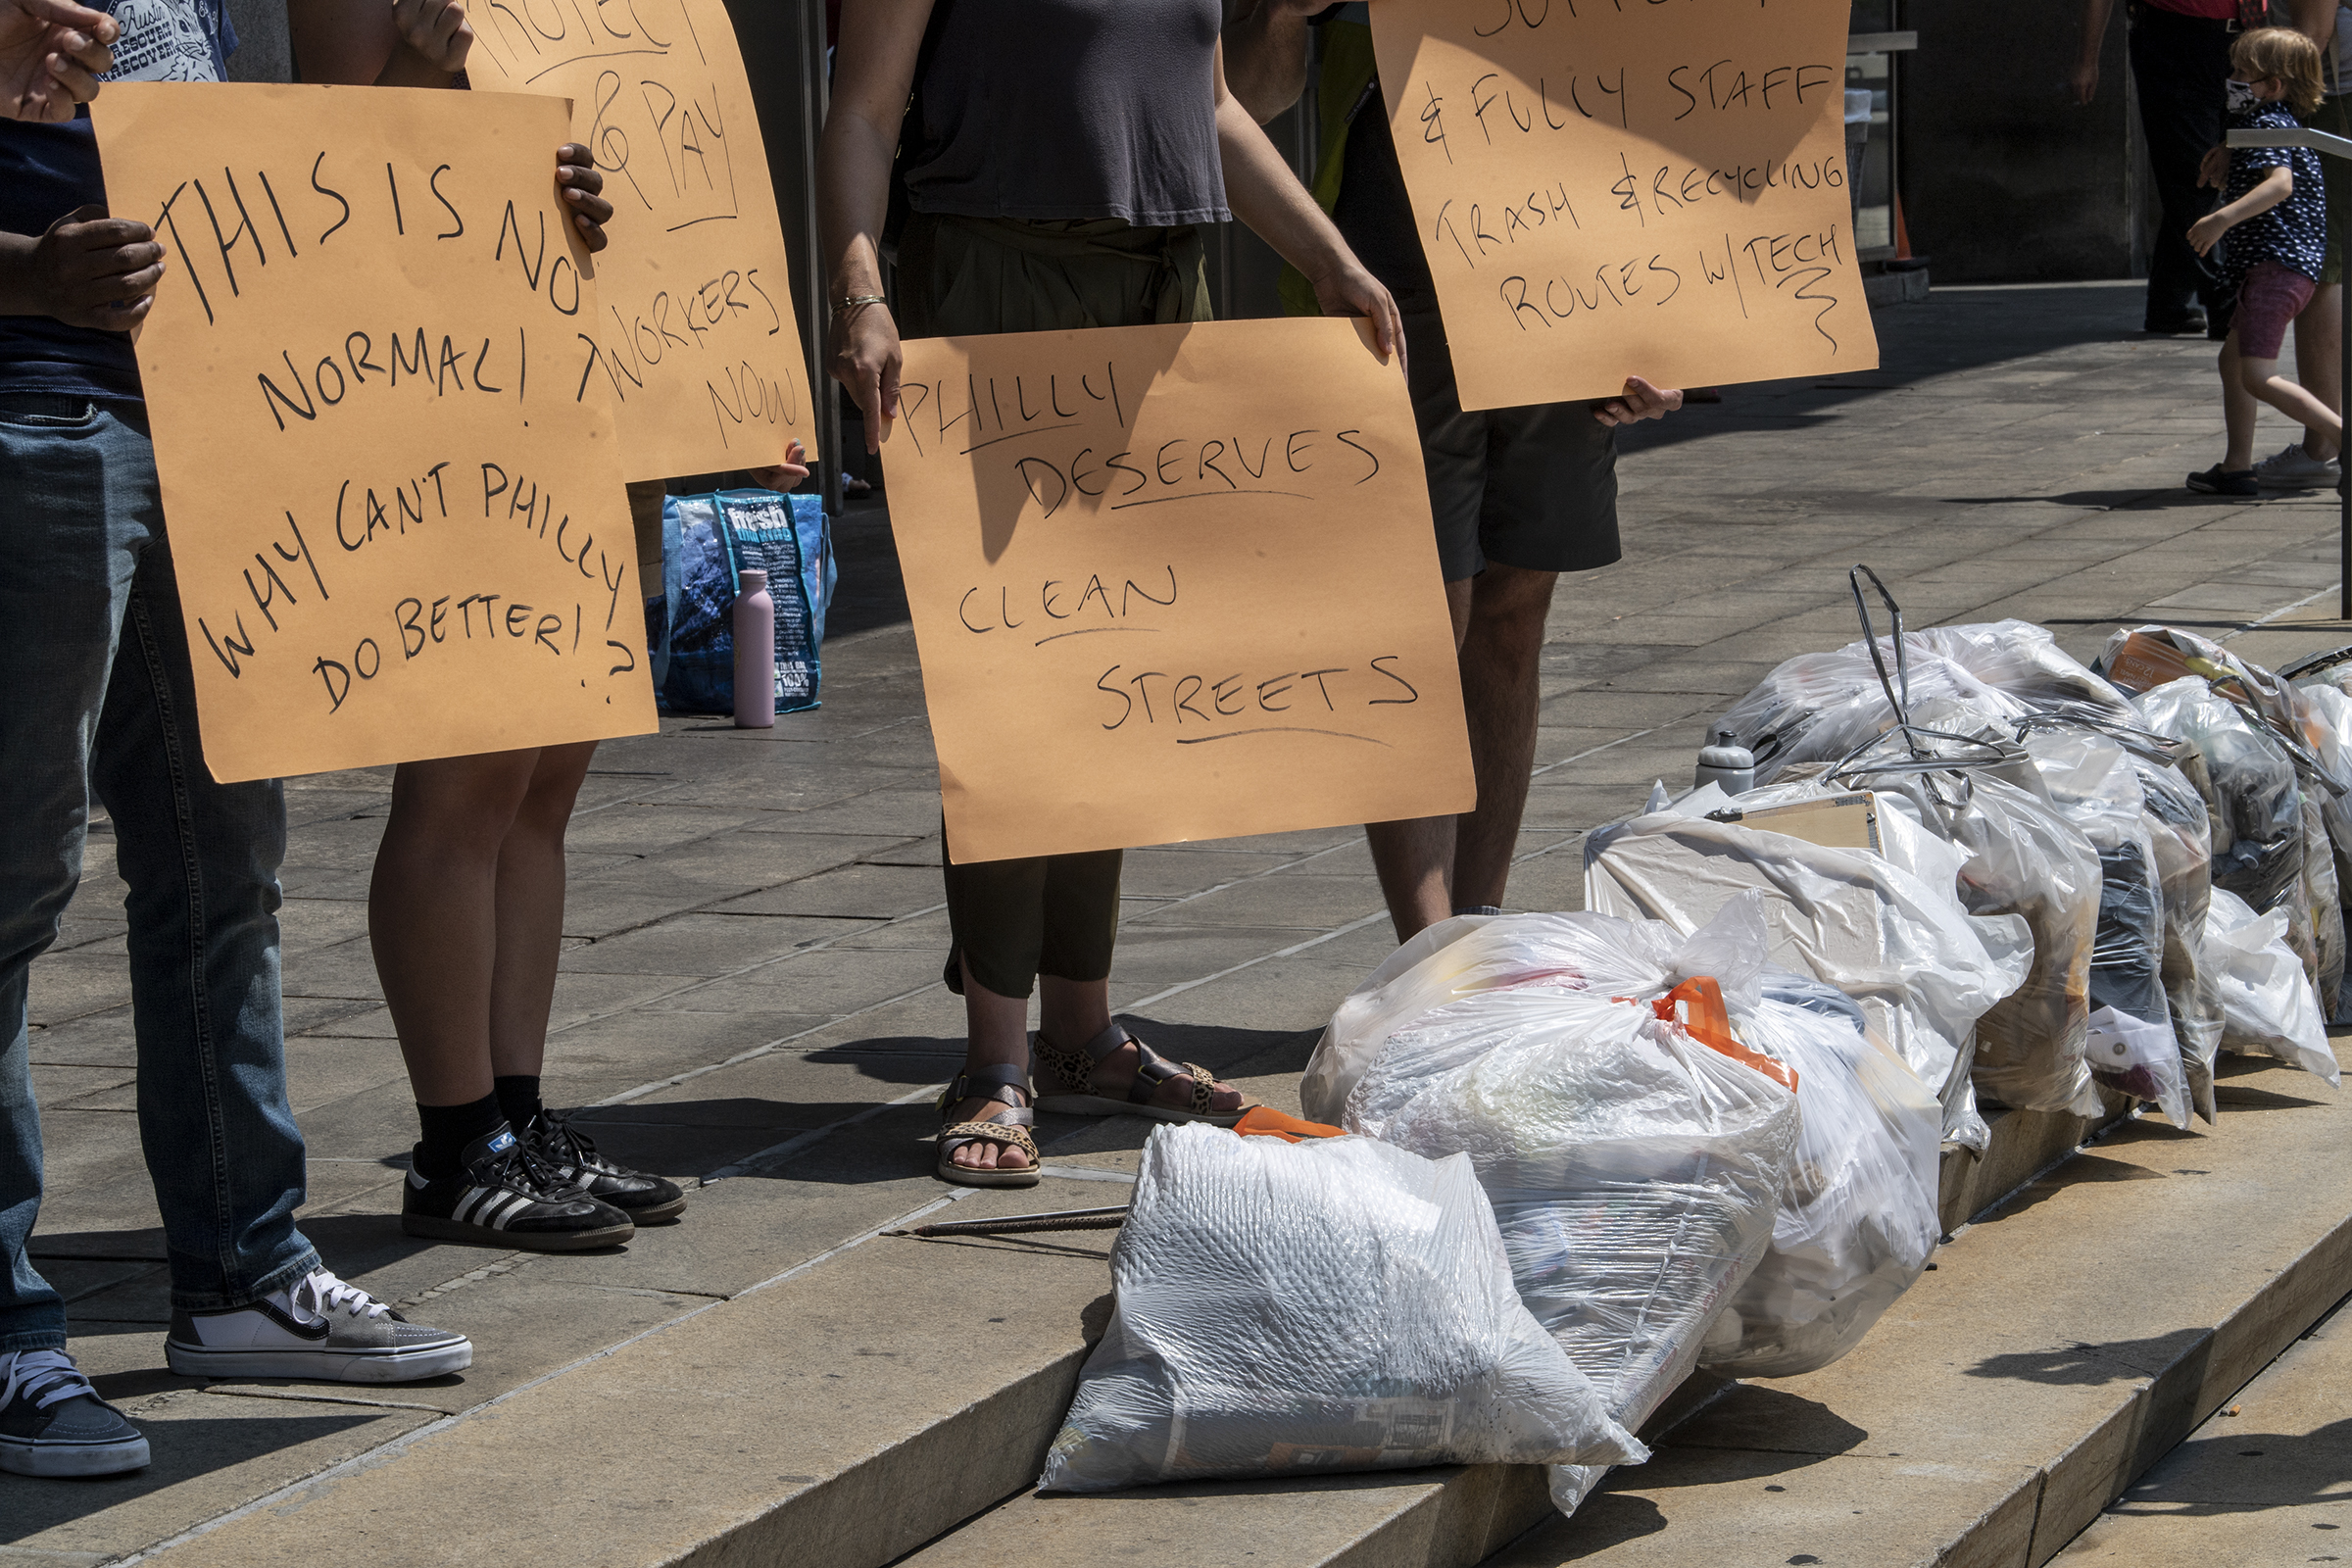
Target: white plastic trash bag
x=1636, y=1171
x=1473, y=952
x=1859, y=1221
x=1332, y=1304
x=2267, y=1006
x=1922, y=969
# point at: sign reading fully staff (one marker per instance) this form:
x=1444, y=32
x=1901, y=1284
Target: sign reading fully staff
x=388, y=463
x=1607, y=188
x=1172, y=582
x=696, y=337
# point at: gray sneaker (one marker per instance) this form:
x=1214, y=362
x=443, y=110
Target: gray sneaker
x=2291, y=468
x=52, y=1422
x=321, y=1329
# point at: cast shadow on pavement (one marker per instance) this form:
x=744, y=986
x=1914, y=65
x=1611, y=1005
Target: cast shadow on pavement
x=182, y=1448
x=2247, y=1472
x=2086, y=1366
x=857, y=1141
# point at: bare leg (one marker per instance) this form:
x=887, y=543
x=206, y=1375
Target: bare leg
x=2319, y=360
x=432, y=914
x=2237, y=409
x=1414, y=855
x=2260, y=379
x=530, y=910
x=1499, y=689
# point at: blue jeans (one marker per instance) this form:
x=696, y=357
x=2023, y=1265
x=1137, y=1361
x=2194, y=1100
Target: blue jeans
x=98, y=700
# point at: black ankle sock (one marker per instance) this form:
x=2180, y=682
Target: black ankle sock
x=518, y=1099
x=448, y=1129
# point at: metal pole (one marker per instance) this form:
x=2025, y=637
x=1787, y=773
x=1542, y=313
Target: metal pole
x=826, y=403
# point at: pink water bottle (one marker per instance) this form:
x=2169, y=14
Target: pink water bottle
x=754, y=654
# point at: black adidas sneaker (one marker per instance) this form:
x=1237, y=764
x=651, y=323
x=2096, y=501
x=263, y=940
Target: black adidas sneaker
x=508, y=1198
x=570, y=1155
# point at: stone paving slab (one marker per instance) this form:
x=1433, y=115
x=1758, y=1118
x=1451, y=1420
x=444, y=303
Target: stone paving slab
x=2264, y=1483
x=750, y=990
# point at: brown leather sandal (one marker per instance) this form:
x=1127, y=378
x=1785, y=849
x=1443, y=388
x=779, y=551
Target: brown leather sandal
x=1008, y=1127
x=1151, y=1069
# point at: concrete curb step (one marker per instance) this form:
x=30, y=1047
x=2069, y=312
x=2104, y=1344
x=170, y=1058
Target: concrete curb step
x=2068, y=1338
x=852, y=1411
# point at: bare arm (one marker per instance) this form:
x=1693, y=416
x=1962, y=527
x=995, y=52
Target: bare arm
x=50, y=54
x=873, y=72
x=2095, y=38
x=2277, y=187
x=1265, y=53
x=403, y=43
x=2315, y=20
x=1265, y=195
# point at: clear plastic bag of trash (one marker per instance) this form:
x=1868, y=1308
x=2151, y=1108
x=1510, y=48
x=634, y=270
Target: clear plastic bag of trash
x=2325, y=715
x=1820, y=708
x=2267, y=1006
x=2141, y=658
x=2183, y=834
x=2025, y=859
x=1328, y=1306
x=1474, y=953
x=2130, y=1045
x=2153, y=659
x=1859, y=1221
x=1636, y=1170
x=2024, y=660
x=2255, y=804
x=1924, y=969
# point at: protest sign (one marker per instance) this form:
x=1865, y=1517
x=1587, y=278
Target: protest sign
x=1172, y=582
x=390, y=474
x=696, y=335
x=1606, y=189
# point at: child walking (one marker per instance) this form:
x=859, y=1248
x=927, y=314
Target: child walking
x=2272, y=228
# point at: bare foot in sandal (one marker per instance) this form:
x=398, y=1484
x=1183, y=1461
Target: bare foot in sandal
x=1116, y=1074
x=984, y=1138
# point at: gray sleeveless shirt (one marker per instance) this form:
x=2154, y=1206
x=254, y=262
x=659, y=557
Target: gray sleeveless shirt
x=1072, y=109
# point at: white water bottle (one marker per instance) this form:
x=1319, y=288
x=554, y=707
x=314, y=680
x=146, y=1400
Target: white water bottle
x=755, y=630
x=1727, y=763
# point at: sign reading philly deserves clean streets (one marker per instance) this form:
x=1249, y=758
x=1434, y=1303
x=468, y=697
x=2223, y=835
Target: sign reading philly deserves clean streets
x=1172, y=582
x=389, y=468
x=1608, y=188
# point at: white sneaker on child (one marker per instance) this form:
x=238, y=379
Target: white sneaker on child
x=2291, y=468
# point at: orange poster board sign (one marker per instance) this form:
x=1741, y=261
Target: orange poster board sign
x=695, y=337
x=1170, y=583
x=395, y=502
x=1612, y=189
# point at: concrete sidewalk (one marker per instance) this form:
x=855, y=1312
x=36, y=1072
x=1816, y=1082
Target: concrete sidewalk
x=751, y=993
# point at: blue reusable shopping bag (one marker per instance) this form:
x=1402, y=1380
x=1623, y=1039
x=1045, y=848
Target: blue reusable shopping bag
x=706, y=543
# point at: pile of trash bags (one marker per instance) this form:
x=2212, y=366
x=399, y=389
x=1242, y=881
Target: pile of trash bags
x=1702, y=1122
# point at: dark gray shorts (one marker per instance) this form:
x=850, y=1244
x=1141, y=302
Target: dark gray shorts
x=1533, y=487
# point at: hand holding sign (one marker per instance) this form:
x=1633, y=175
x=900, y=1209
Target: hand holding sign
x=1173, y=582
x=397, y=516
x=1607, y=189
